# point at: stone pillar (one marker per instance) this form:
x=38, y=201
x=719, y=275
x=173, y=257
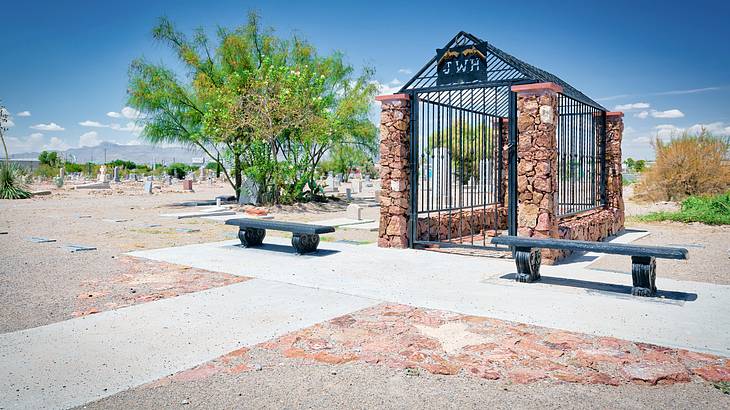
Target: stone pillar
x=614, y=187
x=394, y=170
x=537, y=161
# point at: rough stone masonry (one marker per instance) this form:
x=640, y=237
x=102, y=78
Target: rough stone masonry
x=394, y=170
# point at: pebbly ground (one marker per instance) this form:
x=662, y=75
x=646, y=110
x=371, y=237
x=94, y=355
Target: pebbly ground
x=42, y=283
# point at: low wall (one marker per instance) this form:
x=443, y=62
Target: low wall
x=461, y=223
x=594, y=225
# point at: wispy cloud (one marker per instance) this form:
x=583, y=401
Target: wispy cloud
x=48, y=127
x=23, y=114
x=675, y=113
x=631, y=106
x=94, y=124
x=406, y=71
x=671, y=92
x=690, y=91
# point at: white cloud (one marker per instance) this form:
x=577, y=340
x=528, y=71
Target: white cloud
x=642, y=140
x=48, y=127
x=631, y=106
x=674, y=113
x=385, y=88
x=113, y=114
x=89, y=139
x=56, y=144
x=130, y=127
x=717, y=128
x=23, y=114
x=406, y=71
x=131, y=113
x=94, y=124
x=395, y=82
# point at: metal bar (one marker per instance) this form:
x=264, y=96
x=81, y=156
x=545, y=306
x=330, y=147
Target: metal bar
x=512, y=209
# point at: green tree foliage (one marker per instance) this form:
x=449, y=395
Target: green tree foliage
x=122, y=163
x=49, y=158
x=633, y=165
x=178, y=170
x=269, y=106
x=467, y=145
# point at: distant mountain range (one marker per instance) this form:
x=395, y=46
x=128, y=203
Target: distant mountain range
x=141, y=154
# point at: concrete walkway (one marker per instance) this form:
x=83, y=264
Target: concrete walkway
x=74, y=362
x=691, y=315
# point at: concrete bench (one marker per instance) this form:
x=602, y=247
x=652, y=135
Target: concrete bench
x=305, y=237
x=643, y=258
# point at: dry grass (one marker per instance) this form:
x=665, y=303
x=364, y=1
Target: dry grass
x=685, y=166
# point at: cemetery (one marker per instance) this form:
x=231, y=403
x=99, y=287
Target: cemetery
x=484, y=250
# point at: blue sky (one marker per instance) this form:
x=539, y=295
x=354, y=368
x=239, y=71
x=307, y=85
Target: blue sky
x=63, y=72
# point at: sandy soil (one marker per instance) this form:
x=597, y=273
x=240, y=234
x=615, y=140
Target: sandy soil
x=40, y=283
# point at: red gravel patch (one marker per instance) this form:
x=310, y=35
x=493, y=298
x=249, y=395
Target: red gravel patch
x=144, y=280
x=448, y=343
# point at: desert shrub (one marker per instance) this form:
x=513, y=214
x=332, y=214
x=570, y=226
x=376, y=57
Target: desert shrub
x=685, y=166
x=72, y=167
x=177, y=170
x=11, y=182
x=711, y=210
x=49, y=158
x=46, y=171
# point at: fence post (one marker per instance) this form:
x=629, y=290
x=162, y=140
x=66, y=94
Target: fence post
x=614, y=176
x=537, y=168
x=395, y=191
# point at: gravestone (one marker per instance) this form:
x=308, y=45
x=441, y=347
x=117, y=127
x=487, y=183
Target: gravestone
x=356, y=184
x=249, y=192
x=103, y=177
x=354, y=211
x=202, y=172
x=348, y=194
x=187, y=185
x=330, y=182
x=168, y=180
x=62, y=172
x=148, y=185
x=338, y=181
x=116, y=174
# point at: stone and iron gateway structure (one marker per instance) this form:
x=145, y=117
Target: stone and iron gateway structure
x=479, y=143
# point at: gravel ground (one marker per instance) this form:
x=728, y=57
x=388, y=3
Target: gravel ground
x=288, y=383
x=40, y=282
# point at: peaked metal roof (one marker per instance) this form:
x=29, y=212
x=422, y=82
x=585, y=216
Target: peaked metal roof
x=503, y=69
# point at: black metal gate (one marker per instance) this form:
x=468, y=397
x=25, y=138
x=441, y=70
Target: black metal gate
x=464, y=145
x=460, y=151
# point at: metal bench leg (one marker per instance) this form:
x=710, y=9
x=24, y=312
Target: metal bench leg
x=528, y=264
x=305, y=243
x=251, y=237
x=643, y=272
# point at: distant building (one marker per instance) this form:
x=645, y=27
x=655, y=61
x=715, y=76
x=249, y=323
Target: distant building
x=30, y=164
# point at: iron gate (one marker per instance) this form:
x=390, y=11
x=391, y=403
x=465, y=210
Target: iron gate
x=460, y=151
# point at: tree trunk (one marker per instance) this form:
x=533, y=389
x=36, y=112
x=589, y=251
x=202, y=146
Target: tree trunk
x=238, y=174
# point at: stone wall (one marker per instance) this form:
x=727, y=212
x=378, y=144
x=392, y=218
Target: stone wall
x=465, y=223
x=537, y=161
x=394, y=170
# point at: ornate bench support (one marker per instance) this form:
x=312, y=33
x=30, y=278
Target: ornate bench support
x=305, y=243
x=251, y=237
x=643, y=272
x=528, y=264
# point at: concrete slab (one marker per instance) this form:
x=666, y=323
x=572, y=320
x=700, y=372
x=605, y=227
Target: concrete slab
x=70, y=363
x=212, y=211
x=691, y=315
x=224, y=218
x=368, y=226
x=337, y=222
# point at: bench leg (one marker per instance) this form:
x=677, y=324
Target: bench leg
x=305, y=243
x=251, y=237
x=643, y=272
x=528, y=264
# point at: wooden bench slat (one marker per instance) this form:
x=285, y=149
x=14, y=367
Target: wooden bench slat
x=663, y=252
x=295, y=227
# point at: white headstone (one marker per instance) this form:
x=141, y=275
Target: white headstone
x=354, y=211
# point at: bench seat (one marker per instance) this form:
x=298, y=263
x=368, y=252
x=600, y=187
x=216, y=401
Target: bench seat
x=305, y=238
x=643, y=258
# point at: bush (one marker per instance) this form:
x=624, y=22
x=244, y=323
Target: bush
x=46, y=171
x=177, y=170
x=72, y=167
x=711, y=210
x=49, y=158
x=11, y=185
x=685, y=166
x=122, y=163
